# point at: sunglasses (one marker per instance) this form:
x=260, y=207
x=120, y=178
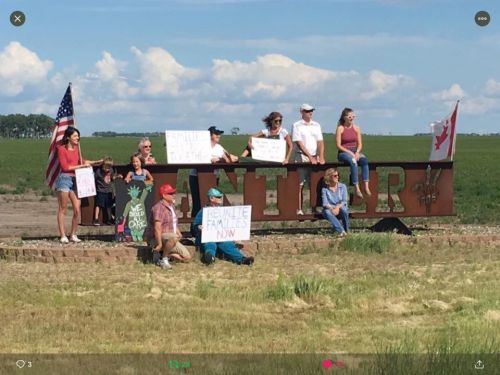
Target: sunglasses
x=310, y=111
x=147, y=146
x=335, y=175
x=277, y=120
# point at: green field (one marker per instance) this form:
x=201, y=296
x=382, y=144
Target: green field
x=477, y=196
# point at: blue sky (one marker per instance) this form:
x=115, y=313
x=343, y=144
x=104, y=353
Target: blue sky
x=152, y=65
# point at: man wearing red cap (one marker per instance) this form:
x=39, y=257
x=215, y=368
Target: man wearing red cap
x=162, y=232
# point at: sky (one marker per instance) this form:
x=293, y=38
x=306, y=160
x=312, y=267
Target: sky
x=153, y=65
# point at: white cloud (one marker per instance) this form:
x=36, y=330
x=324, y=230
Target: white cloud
x=492, y=87
x=109, y=68
x=271, y=75
x=380, y=83
x=160, y=73
x=109, y=72
x=455, y=92
x=480, y=105
x=20, y=67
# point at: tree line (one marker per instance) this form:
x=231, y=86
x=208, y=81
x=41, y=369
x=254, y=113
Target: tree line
x=25, y=126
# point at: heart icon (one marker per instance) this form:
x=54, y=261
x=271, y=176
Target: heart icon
x=20, y=363
x=326, y=363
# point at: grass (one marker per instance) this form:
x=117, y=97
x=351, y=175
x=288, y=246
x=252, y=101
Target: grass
x=23, y=162
x=406, y=298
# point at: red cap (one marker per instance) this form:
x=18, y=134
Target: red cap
x=166, y=189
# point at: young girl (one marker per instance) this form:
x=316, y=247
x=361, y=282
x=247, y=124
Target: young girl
x=68, y=154
x=138, y=173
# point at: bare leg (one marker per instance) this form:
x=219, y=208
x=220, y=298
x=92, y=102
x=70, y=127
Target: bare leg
x=96, y=213
x=367, y=188
x=358, y=190
x=62, y=200
x=301, y=196
x=76, y=211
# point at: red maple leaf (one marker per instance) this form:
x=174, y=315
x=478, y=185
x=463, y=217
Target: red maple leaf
x=441, y=137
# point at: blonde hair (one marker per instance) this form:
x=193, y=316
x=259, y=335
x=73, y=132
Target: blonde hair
x=328, y=177
x=107, y=163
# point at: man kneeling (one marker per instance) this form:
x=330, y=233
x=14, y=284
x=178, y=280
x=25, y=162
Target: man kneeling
x=162, y=232
x=227, y=249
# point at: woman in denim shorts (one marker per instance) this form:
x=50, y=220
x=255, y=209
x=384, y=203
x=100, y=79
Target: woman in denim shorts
x=68, y=155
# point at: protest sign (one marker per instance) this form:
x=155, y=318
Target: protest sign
x=188, y=147
x=231, y=223
x=133, y=205
x=268, y=149
x=85, y=182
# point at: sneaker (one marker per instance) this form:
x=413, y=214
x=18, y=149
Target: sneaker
x=207, y=258
x=164, y=264
x=74, y=238
x=64, y=239
x=300, y=212
x=342, y=234
x=248, y=261
x=96, y=223
x=156, y=258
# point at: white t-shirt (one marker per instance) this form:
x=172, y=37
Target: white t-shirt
x=217, y=152
x=282, y=133
x=309, y=134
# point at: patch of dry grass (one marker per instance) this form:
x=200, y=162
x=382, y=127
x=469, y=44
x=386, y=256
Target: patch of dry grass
x=406, y=298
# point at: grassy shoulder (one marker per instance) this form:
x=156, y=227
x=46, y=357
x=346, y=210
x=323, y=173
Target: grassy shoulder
x=363, y=296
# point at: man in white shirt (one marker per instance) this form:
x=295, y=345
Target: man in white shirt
x=307, y=138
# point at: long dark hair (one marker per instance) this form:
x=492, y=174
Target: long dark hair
x=344, y=113
x=268, y=120
x=68, y=133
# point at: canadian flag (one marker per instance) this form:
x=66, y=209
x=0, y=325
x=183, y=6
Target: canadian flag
x=443, y=137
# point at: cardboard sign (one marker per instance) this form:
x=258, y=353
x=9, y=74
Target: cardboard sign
x=85, y=182
x=226, y=223
x=188, y=147
x=269, y=149
x=133, y=205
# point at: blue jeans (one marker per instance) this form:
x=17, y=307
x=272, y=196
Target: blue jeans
x=334, y=220
x=227, y=248
x=346, y=158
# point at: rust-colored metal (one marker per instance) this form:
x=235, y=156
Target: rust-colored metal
x=427, y=189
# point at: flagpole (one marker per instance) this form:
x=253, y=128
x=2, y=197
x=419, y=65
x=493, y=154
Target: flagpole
x=455, y=132
x=74, y=120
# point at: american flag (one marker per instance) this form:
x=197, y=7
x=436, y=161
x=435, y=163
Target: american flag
x=63, y=120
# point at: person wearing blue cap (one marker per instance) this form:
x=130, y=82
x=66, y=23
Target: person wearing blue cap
x=227, y=249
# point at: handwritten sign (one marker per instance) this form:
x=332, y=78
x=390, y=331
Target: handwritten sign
x=230, y=223
x=188, y=147
x=269, y=149
x=85, y=182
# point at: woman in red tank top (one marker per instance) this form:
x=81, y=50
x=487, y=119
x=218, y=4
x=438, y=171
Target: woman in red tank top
x=68, y=154
x=349, y=143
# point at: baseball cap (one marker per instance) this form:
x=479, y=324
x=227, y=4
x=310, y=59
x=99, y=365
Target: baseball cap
x=214, y=130
x=306, y=107
x=166, y=189
x=214, y=192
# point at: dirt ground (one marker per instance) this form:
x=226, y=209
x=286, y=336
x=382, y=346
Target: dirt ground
x=30, y=215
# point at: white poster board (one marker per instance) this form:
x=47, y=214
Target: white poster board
x=188, y=147
x=85, y=182
x=269, y=149
x=227, y=223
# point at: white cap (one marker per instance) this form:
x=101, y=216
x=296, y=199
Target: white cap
x=306, y=107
